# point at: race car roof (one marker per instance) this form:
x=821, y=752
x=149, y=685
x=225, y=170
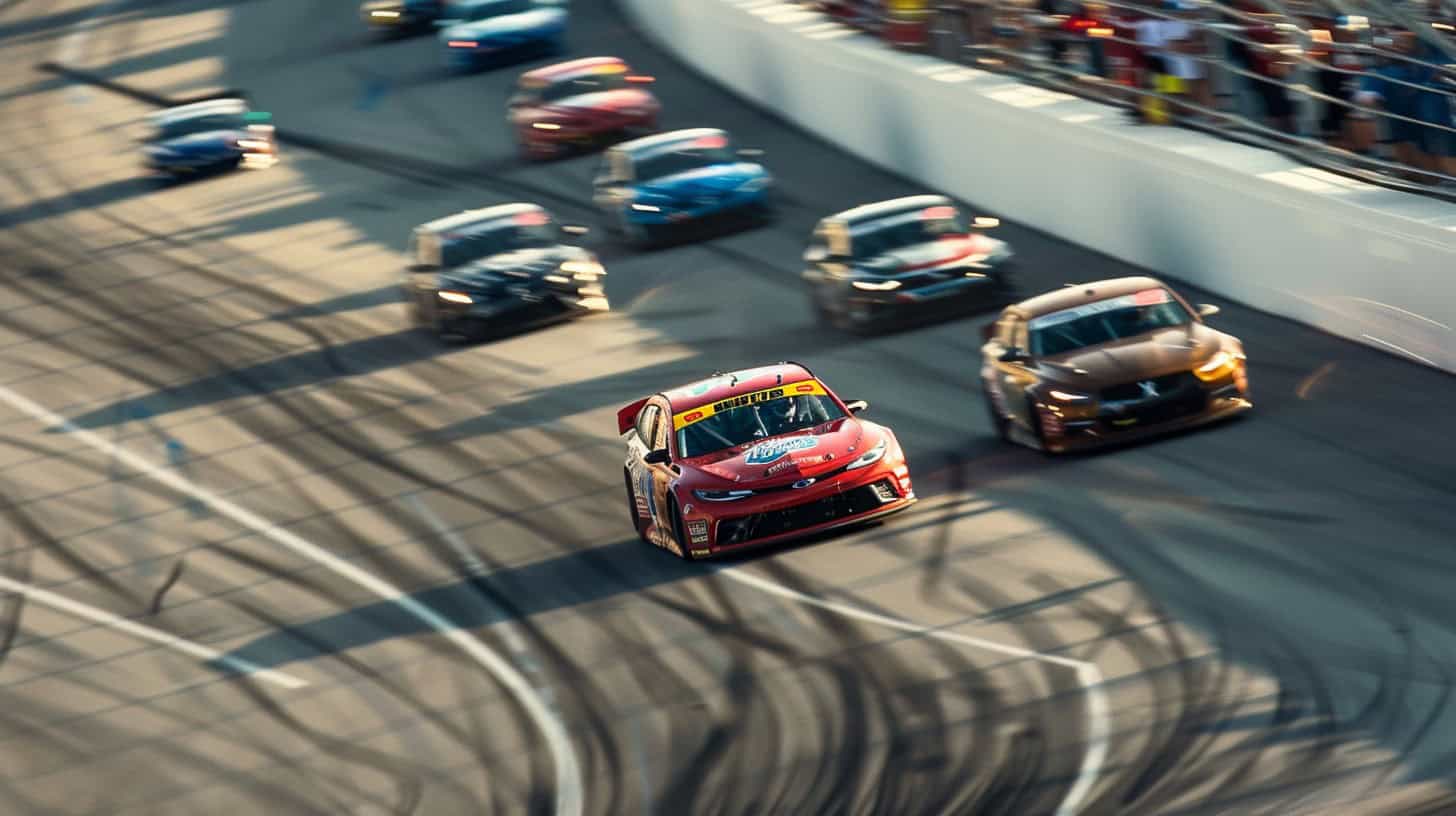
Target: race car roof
x=894, y=206
x=733, y=383
x=210, y=107
x=1070, y=296
x=573, y=68
x=638, y=148
x=471, y=217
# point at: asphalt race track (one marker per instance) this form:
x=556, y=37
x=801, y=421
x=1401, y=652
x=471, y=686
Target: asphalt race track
x=266, y=550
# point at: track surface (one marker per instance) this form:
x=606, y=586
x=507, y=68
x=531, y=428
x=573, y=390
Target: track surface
x=1267, y=601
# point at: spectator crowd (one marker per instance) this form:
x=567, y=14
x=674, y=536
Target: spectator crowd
x=1371, y=78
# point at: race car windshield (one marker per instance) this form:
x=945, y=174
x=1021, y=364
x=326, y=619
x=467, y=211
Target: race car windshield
x=681, y=161
x=754, y=423
x=595, y=83
x=200, y=124
x=1105, y=321
x=880, y=237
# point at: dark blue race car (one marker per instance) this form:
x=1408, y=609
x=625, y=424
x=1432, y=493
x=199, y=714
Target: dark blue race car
x=476, y=33
x=656, y=184
x=220, y=134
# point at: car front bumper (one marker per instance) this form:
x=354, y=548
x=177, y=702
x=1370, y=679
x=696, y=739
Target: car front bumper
x=784, y=516
x=674, y=214
x=1079, y=431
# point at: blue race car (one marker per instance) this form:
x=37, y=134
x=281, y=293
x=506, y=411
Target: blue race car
x=219, y=134
x=649, y=186
x=480, y=32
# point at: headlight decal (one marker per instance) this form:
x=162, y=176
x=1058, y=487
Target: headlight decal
x=870, y=456
x=722, y=495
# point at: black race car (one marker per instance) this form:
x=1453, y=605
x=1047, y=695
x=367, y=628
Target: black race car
x=401, y=16
x=473, y=271
x=886, y=261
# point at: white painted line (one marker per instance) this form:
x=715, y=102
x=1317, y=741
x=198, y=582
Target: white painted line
x=1402, y=350
x=141, y=632
x=830, y=25
x=568, y=769
x=1088, y=675
x=1079, y=118
x=1405, y=312
x=844, y=31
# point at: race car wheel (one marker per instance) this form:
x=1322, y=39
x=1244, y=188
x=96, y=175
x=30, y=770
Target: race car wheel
x=637, y=523
x=679, y=539
x=1037, y=431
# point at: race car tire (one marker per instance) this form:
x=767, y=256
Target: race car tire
x=637, y=525
x=674, y=518
x=998, y=422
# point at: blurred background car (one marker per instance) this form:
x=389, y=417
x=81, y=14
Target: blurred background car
x=753, y=457
x=401, y=16
x=650, y=187
x=1106, y=362
x=878, y=263
x=211, y=136
x=478, y=33
x=579, y=104
x=475, y=270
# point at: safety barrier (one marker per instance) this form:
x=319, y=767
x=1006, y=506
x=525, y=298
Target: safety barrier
x=1364, y=262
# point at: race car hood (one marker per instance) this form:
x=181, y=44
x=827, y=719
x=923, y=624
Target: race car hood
x=947, y=251
x=593, y=103
x=785, y=459
x=212, y=141
x=1155, y=354
x=492, y=275
x=714, y=180
x=505, y=26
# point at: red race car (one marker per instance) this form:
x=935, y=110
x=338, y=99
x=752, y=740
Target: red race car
x=580, y=104
x=755, y=457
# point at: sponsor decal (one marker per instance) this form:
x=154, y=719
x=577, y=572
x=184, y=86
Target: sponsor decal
x=697, y=553
x=774, y=470
x=710, y=142
x=698, y=531
x=1150, y=297
x=775, y=449
x=688, y=417
x=534, y=218
x=803, y=483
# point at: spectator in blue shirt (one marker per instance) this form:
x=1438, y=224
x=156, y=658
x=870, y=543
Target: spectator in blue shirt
x=1396, y=86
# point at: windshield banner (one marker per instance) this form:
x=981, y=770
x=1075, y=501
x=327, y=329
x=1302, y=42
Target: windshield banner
x=686, y=418
x=1147, y=297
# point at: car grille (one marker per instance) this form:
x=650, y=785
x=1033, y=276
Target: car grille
x=1178, y=397
x=1167, y=386
x=830, y=508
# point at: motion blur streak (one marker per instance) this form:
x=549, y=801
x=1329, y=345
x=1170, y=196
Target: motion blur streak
x=1088, y=675
x=568, y=769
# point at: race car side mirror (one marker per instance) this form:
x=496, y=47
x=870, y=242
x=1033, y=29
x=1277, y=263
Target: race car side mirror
x=575, y=229
x=658, y=457
x=1207, y=310
x=857, y=406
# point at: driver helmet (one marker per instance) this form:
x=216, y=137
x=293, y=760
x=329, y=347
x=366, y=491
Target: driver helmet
x=781, y=413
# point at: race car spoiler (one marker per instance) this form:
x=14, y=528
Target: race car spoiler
x=627, y=417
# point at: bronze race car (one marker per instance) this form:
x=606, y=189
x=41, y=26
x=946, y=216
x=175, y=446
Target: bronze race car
x=1107, y=362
